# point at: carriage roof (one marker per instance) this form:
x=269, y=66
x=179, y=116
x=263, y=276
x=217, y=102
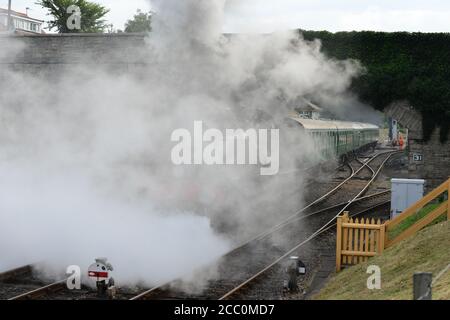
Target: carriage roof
x=310, y=124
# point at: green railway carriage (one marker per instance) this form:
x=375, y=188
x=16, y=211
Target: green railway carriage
x=338, y=138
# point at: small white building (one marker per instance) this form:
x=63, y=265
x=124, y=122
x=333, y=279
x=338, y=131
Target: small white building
x=21, y=22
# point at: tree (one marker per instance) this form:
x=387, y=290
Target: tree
x=141, y=22
x=399, y=66
x=91, y=15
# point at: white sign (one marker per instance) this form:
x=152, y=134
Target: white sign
x=417, y=157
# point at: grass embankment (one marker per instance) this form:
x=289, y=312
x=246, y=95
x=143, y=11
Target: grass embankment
x=427, y=251
x=408, y=222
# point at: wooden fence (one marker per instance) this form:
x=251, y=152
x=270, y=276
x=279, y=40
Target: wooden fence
x=357, y=240
x=414, y=209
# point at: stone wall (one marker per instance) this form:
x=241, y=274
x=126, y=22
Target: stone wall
x=52, y=52
x=435, y=163
x=429, y=160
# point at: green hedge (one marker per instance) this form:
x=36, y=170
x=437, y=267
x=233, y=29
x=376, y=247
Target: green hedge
x=399, y=66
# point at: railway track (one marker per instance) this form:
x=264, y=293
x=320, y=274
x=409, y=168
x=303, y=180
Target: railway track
x=20, y=280
x=266, y=250
x=382, y=158
x=263, y=251
x=239, y=291
x=23, y=285
x=15, y=273
x=58, y=291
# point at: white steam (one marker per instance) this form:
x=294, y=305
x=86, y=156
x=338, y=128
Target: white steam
x=85, y=154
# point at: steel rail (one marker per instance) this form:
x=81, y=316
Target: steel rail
x=56, y=286
x=59, y=285
x=325, y=227
x=10, y=274
x=379, y=194
x=292, y=217
x=375, y=195
x=320, y=199
x=248, y=281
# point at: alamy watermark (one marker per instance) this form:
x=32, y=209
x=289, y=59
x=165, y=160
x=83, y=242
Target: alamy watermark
x=229, y=147
x=374, y=281
x=73, y=281
x=74, y=20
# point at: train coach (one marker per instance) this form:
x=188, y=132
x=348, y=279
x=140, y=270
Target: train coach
x=338, y=138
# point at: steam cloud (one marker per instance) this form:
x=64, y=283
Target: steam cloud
x=85, y=158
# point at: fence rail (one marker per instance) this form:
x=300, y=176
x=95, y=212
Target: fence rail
x=358, y=240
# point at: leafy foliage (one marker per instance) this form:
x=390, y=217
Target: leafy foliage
x=92, y=15
x=141, y=22
x=399, y=66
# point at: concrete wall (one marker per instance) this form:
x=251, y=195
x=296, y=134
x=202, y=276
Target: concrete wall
x=434, y=166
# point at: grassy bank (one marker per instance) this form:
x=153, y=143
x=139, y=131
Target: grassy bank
x=410, y=221
x=427, y=251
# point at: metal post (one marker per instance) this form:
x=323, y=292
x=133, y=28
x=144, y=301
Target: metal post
x=422, y=286
x=9, y=24
x=292, y=272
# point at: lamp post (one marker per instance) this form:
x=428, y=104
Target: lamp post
x=9, y=16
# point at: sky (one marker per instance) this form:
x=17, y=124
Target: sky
x=272, y=15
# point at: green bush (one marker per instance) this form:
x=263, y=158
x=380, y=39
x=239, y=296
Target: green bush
x=399, y=66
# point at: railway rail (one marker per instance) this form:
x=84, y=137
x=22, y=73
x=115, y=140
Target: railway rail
x=327, y=226
x=242, y=286
x=58, y=291
x=19, y=281
x=18, y=272
x=263, y=250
